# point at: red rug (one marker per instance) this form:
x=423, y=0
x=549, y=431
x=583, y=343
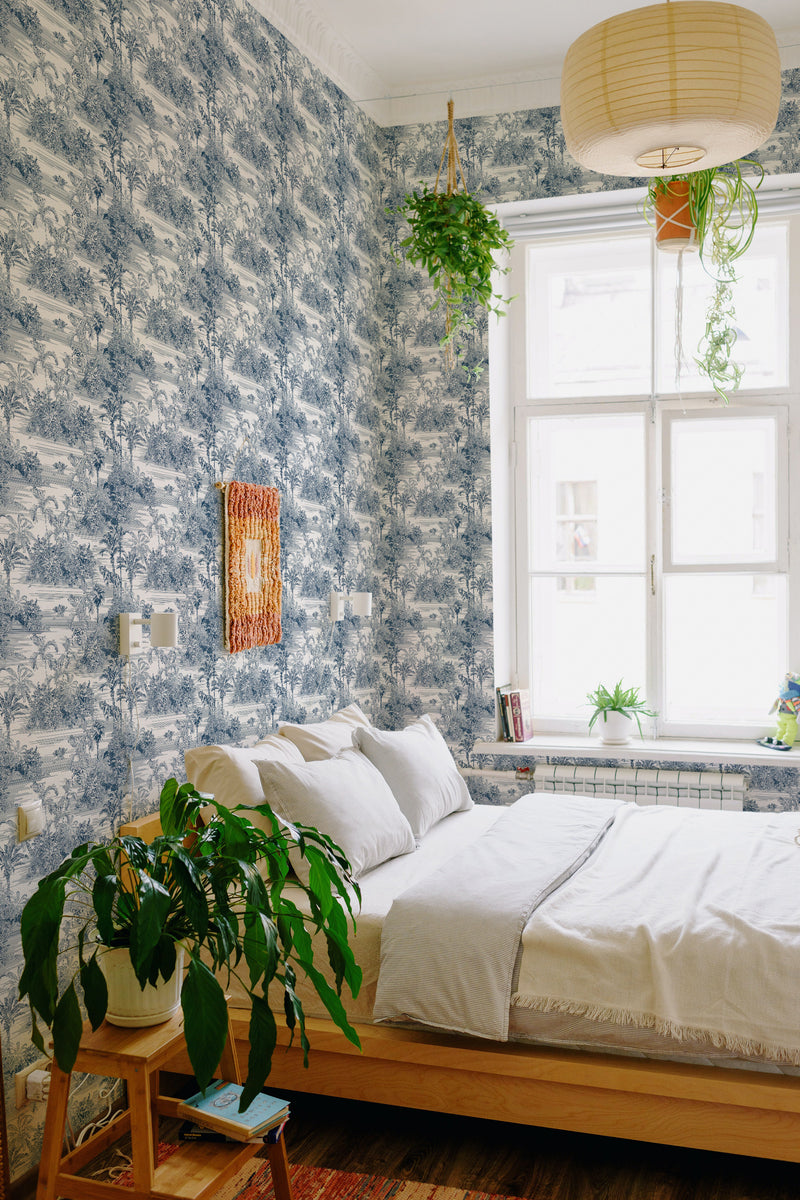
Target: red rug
x=254, y=1182
x=319, y=1183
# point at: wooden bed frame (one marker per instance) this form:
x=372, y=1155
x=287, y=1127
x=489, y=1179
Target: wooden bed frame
x=706, y=1108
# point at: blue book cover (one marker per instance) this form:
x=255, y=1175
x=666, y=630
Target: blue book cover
x=219, y=1108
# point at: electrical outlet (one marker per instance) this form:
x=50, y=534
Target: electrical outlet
x=21, y=1080
x=30, y=819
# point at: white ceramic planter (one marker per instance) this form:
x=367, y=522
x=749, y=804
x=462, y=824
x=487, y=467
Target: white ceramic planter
x=128, y=1004
x=615, y=728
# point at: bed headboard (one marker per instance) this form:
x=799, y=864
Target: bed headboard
x=145, y=828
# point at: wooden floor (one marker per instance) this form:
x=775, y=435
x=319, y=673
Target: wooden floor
x=512, y=1160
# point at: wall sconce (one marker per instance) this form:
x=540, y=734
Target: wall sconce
x=361, y=602
x=163, y=631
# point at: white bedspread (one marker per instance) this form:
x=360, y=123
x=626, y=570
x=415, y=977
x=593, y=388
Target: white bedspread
x=683, y=921
x=450, y=943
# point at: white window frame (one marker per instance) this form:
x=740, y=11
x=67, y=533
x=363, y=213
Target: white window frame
x=511, y=407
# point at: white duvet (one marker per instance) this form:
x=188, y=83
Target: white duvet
x=682, y=921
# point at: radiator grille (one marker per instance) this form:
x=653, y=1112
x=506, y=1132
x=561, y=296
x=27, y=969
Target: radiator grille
x=688, y=789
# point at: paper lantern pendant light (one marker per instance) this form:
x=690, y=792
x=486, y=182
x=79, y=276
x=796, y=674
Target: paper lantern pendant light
x=672, y=87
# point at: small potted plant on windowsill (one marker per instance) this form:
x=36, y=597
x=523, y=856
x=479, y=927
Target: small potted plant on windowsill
x=197, y=888
x=617, y=708
x=716, y=210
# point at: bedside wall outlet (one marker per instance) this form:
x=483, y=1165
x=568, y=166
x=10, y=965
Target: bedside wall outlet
x=30, y=819
x=21, y=1080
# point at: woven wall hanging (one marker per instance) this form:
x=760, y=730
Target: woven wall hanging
x=252, y=565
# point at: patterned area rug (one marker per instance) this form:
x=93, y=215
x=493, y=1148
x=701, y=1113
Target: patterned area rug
x=319, y=1183
x=254, y=1182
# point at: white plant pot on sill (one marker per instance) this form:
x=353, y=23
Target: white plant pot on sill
x=615, y=728
x=130, y=1005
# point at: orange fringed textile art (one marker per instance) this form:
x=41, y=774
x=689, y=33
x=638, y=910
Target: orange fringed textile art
x=252, y=566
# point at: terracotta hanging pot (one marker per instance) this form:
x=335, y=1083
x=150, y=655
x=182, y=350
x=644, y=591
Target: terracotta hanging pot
x=675, y=228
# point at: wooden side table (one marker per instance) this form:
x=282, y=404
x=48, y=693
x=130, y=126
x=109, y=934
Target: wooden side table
x=194, y=1172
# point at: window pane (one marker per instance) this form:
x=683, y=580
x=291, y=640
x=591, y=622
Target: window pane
x=587, y=491
x=723, y=490
x=761, y=306
x=584, y=637
x=588, y=317
x=726, y=649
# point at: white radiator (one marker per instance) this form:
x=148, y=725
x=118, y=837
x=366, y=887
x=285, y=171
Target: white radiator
x=688, y=789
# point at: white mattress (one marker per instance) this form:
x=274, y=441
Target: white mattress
x=381, y=885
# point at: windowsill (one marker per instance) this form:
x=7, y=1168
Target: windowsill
x=698, y=750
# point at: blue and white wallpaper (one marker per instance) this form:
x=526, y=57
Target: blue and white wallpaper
x=197, y=284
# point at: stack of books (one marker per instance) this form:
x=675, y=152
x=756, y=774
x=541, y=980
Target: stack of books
x=215, y=1116
x=515, y=713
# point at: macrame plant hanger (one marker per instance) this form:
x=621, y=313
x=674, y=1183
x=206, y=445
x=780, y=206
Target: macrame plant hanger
x=454, y=169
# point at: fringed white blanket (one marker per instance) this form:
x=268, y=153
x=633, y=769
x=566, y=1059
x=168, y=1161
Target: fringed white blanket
x=450, y=943
x=683, y=921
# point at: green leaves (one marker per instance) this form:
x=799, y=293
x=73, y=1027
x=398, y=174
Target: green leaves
x=95, y=991
x=453, y=237
x=205, y=1017
x=146, y=929
x=220, y=890
x=724, y=208
x=67, y=1029
x=263, y=1035
x=620, y=699
x=40, y=926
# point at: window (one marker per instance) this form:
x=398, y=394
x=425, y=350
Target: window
x=651, y=526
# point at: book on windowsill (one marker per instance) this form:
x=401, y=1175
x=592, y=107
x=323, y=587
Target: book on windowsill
x=219, y=1109
x=515, y=713
x=502, y=697
x=521, y=714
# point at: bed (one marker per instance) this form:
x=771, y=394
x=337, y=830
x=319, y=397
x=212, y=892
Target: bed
x=564, y=1066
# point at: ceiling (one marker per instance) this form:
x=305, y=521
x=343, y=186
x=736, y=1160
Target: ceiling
x=402, y=61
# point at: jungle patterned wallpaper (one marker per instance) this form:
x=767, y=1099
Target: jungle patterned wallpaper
x=196, y=284
x=189, y=294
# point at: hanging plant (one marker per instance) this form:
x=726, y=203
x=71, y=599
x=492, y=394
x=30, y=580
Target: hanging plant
x=453, y=236
x=722, y=206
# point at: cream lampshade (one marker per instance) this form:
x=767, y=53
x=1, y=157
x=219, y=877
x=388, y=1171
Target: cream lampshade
x=672, y=87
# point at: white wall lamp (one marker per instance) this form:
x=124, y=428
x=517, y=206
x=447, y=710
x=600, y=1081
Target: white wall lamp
x=163, y=631
x=361, y=602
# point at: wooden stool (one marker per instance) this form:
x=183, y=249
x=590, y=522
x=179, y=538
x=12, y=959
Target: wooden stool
x=194, y=1172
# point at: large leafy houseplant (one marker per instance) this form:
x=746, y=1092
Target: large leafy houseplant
x=196, y=886
x=454, y=237
x=724, y=210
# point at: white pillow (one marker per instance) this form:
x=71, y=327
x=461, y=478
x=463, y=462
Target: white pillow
x=230, y=773
x=346, y=798
x=325, y=738
x=419, y=769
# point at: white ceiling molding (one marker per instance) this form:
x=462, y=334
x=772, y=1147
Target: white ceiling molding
x=327, y=50
x=479, y=99
x=484, y=97
x=419, y=103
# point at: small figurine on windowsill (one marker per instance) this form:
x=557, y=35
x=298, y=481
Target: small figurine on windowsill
x=787, y=706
